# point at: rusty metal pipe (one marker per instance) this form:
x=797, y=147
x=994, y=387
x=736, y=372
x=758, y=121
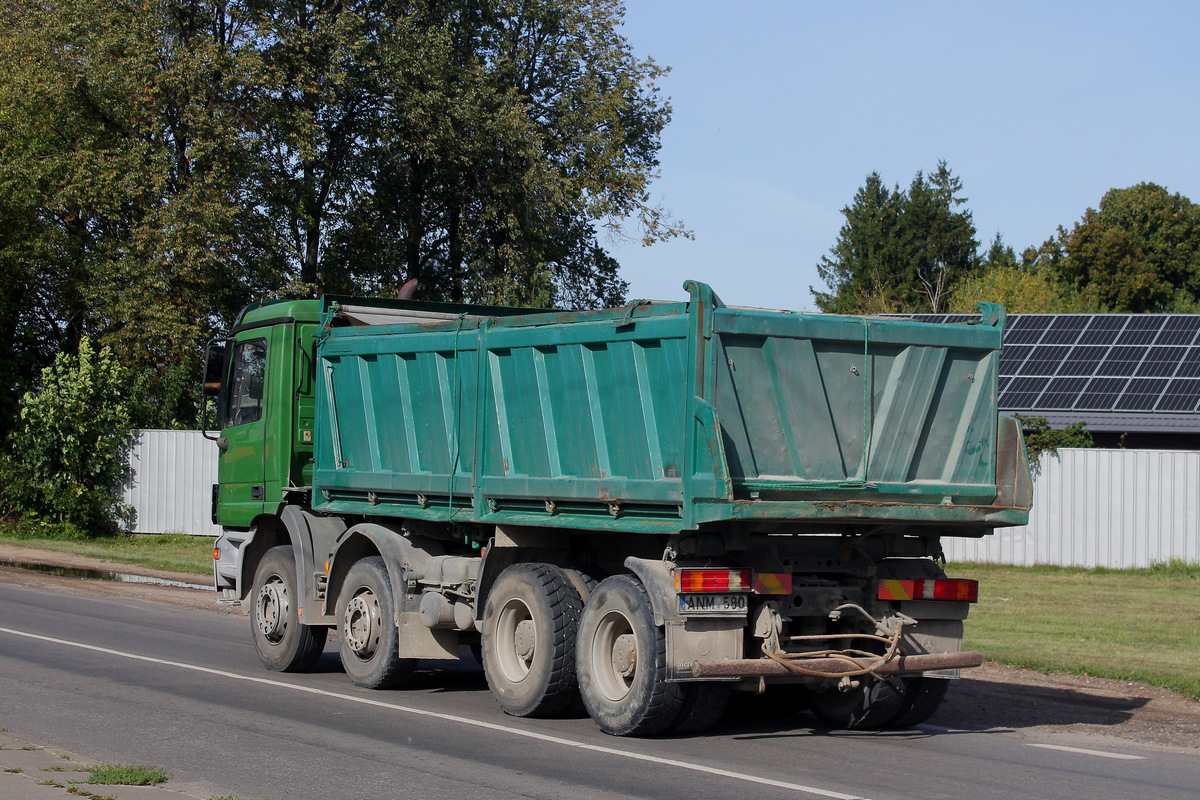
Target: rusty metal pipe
x=767, y=668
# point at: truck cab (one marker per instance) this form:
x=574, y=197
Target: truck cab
x=261, y=375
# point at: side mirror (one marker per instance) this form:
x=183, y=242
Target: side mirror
x=215, y=361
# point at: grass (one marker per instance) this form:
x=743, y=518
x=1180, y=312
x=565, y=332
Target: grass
x=1138, y=624
x=111, y=775
x=175, y=552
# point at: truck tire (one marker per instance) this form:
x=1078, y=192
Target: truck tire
x=283, y=644
x=703, y=705
x=872, y=705
x=622, y=662
x=922, y=696
x=529, y=624
x=368, y=640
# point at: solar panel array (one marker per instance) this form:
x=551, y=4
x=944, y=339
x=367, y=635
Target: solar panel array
x=1125, y=363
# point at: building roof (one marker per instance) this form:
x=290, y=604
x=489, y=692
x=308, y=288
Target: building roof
x=1116, y=372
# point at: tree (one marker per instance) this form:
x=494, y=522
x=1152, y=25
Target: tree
x=507, y=135
x=864, y=265
x=1139, y=252
x=1021, y=286
x=900, y=250
x=71, y=444
x=123, y=163
x=165, y=163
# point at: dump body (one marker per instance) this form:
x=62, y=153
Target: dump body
x=666, y=417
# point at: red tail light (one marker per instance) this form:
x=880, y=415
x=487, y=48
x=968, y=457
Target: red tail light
x=712, y=580
x=941, y=589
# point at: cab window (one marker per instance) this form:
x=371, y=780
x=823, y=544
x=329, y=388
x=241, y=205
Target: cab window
x=247, y=379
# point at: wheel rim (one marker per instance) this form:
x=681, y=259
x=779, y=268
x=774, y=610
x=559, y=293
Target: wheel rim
x=516, y=640
x=614, y=655
x=271, y=610
x=360, y=625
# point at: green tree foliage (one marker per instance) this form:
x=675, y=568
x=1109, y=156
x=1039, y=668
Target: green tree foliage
x=165, y=162
x=1140, y=252
x=900, y=251
x=1040, y=438
x=122, y=162
x=68, y=457
x=1022, y=286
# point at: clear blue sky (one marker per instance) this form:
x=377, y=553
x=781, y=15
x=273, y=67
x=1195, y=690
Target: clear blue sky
x=781, y=109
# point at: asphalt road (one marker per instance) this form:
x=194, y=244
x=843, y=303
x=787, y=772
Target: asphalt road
x=129, y=682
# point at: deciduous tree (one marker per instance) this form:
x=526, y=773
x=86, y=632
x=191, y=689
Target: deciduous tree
x=1139, y=252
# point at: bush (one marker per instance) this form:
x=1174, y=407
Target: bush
x=68, y=456
x=1041, y=438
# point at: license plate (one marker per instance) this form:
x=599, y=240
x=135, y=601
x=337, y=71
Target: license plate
x=712, y=603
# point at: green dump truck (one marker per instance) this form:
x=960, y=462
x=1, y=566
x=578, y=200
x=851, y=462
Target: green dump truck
x=645, y=508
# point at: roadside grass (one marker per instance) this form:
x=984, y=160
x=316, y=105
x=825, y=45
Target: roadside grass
x=112, y=775
x=1138, y=624
x=175, y=552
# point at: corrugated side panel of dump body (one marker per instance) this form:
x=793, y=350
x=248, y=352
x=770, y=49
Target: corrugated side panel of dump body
x=660, y=418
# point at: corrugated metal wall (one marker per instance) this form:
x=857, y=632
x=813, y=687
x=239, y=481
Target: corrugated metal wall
x=1094, y=507
x=171, y=486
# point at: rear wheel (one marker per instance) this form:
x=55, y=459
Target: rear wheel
x=623, y=664
x=283, y=644
x=922, y=696
x=529, y=625
x=703, y=705
x=873, y=704
x=367, y=636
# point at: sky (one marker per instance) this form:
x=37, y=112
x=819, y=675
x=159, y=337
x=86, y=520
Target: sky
x=781, y=110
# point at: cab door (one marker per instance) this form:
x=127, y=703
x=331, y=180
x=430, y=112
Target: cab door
x=244, y=413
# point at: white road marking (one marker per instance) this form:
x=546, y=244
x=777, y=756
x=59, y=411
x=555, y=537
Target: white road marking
x=595, y=748
x=1085, y=752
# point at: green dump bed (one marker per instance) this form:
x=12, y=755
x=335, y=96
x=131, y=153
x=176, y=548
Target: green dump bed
x=664, y=417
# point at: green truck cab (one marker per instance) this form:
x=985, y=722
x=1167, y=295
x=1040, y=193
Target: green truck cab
x=673, y=500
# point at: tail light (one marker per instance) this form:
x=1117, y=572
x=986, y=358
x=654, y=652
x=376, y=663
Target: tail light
x=712, y=580
x=927, y=589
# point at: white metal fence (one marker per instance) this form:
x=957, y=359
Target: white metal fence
x=1091, y=507
x=171, y=486
x=1095, y=507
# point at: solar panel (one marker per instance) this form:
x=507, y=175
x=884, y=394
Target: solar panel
x=1179, y=330
x=1082, y=360
x=1161, y=361
x=1126, y=363
x=1120, y=361
x=1182, y=394
x=1061, y=394
x=1044, y=360
x=1065, y=329
x=1102, y=330
x=1141, y=330
x=1101, y=393
x=1141, y=394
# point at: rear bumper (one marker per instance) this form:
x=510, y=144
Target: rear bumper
x=901, y=665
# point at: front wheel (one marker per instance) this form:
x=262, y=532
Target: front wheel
x=283, y=644
x=367, y=636
x=622, y=662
